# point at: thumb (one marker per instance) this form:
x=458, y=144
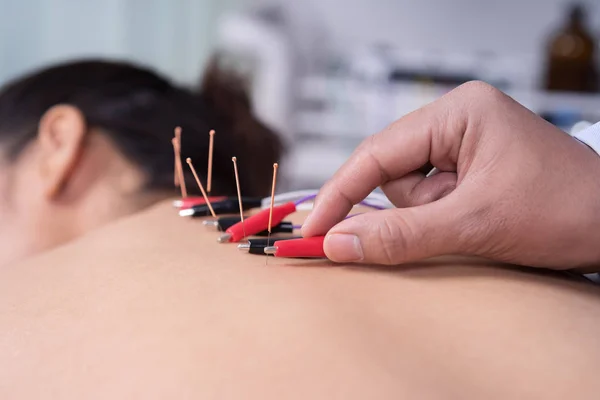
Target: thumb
x=396, y=236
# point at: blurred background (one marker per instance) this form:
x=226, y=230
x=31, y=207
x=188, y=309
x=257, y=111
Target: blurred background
x=327, y=73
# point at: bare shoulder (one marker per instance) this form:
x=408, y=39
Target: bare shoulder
x=153, y=307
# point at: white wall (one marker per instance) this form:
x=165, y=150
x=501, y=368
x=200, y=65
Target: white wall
x=174, y=36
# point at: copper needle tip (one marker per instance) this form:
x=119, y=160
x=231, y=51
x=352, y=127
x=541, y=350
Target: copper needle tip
x=224, y=238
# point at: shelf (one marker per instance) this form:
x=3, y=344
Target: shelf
x=354, y=110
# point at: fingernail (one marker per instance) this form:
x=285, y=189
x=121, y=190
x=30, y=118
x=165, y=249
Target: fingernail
x=342, y=247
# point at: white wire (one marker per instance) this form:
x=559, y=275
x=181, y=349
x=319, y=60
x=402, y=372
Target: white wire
x=378, y=199
x=289, y=196
x=375, y=198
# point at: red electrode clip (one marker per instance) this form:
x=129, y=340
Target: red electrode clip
x=298, y=248
x=190, y=202
x=257, y=223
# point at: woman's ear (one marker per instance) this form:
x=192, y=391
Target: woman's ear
x=61, y=136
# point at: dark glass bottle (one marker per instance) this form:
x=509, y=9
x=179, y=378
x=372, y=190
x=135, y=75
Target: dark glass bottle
x=571, y=56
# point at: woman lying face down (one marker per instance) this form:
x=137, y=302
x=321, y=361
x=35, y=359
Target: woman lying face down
x=84, y=143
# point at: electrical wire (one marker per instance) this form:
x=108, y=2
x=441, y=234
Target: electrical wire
x=305, y=199
x=375, y=199
x=372, y=205
x=300, y=198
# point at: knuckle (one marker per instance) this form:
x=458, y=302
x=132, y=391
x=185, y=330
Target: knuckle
x=384, y=175
x=477, y=95
x=369, y=153
x=476, y=101
x=365, y=148
x=367, y=144
x=393, y=127
x=479, y=88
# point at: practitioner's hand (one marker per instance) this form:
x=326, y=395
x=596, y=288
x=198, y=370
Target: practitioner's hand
x=513, y=188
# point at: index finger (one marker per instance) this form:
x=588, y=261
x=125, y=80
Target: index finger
x=403, y=147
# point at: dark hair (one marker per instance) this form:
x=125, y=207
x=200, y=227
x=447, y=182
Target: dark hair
x=139, y=110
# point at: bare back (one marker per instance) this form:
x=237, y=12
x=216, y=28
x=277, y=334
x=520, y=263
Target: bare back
x=152, y=307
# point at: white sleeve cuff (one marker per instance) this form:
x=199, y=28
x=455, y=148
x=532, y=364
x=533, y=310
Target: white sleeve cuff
x=591, y=137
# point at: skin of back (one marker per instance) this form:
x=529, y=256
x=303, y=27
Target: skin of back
x=152, y=307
